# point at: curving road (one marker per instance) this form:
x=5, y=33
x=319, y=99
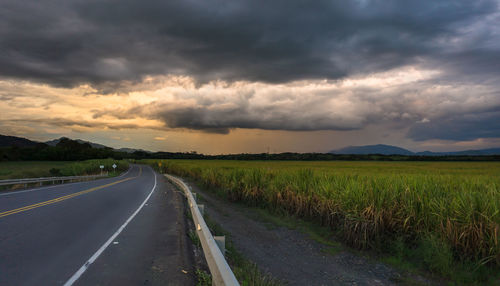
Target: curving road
x=127, y=230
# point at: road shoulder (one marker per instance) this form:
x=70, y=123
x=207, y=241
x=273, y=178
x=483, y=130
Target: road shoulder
x=152, y=250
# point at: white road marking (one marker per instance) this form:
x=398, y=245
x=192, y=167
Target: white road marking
x=108, y=242
x=125, y=172
x=54, y=186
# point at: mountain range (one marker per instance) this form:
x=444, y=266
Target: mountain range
x=7, y=141
x=94, y=145
x=394, y=150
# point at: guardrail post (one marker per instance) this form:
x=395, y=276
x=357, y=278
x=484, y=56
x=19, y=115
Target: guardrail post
x=202, y=209
x=221, y=243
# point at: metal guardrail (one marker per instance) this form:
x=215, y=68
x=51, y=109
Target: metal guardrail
x=221, y=272
x=48, y=179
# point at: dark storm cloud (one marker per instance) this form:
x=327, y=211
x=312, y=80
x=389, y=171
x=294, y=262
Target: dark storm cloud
x=222, y=121
x=459, y=128
x=71, y=123
x=114, y=44
x=428, y=108
x=73, y=42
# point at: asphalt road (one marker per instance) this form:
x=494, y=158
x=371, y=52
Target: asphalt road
x=128, y=230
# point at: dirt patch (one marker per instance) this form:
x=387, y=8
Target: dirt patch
x=293, y=256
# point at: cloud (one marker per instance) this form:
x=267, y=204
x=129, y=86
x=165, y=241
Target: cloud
x=461, y=127
x=427, y=69
x=402, y=99
x=410, y=100
x=80, y=124
x=107, y=43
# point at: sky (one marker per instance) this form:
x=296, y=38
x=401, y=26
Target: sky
x=252, y=76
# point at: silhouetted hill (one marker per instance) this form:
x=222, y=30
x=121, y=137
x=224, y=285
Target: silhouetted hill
x=373, y=149
x=64, y=150
x=132, y=150
x=94, y=145
x=481, y=152
x=8, y=141
x=394, y=150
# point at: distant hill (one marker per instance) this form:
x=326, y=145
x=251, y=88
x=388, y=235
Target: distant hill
x=373, y=149
x=94, y=145
x=394, y=150
x=132, y=150
x=490, y=151
x=62, y=149
x=8, y=141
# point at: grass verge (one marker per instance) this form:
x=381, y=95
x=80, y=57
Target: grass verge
x=37, y=169
x=246, y=272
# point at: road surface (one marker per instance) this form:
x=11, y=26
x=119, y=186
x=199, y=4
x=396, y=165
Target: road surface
x=128, y=230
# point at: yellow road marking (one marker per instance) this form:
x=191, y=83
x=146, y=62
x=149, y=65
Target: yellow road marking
x=59, y=199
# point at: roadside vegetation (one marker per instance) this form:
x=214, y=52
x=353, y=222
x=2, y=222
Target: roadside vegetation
x=440, y=216
x=35, y=169
x=246, y=272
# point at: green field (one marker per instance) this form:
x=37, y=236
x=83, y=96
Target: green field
x=443, y=214
x=36, y=169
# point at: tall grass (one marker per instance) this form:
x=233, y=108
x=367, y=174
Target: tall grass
x=442, y=207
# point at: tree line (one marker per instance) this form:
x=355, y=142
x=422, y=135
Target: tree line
x=71, y=150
